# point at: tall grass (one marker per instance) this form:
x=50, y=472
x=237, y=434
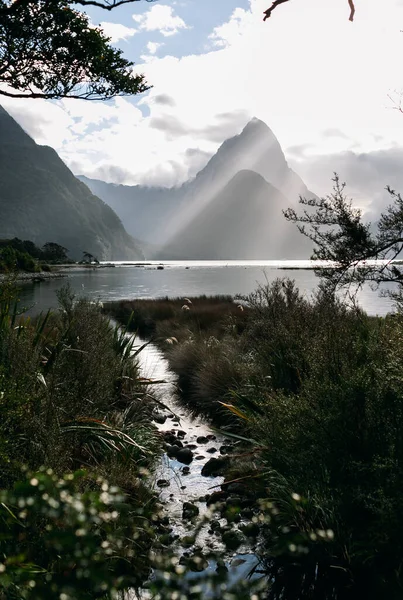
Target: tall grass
x=163, y=317
x=71, y=398
x=318, y=389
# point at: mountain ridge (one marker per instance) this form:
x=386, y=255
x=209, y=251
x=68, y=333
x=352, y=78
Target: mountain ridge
x=163, y=216
x=41, y=200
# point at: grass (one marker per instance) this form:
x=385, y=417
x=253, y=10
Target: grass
x=317, y=388
x=162, y=318
x=71, y=400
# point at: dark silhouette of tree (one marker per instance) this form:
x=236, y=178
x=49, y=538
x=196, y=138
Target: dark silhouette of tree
x=267, y=12
x=54, y=252
x=339, y=235
x=48, y=49
x=89, y=258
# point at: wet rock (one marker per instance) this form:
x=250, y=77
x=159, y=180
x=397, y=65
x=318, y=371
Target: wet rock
x=166, y=539
x=197, y=563
x=185, y=456
x=187, y=541
x=251, y=530
x=211, y=450
x=221, y=566
x=226, y=449
x=170, y=437
x=159, y=418
x=191, y=446
x=180, y=433
x=211, y=437
x=183, y=487
x=215, y=466
x=200, y=457
x=172, y=450
x=202, y=440
x=163, y=483
x=215, y=497
x=232, y=539
x=233, y=501
x=215, y=525
x=189, y=510
x=231, y=514
x=247, y=513
x=237, y=562
x=236, y=488
x=185, y=470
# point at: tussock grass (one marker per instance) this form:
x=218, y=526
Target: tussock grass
x=317, y=389
x=166, y=317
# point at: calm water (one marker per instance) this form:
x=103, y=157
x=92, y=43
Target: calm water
x=182, y=279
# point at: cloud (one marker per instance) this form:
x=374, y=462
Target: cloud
x=298, y=151
x=366, y=175
x=332, y=133
x=218, y=131
x=320, y=97
x=164, y=100
x=170, y=125
x=117, y=31
x=153, y=47
x=160, y=18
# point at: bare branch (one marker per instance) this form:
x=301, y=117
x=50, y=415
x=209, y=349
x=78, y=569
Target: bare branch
x=267, y=12
x=352, y=9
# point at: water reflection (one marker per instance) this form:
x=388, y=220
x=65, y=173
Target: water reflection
x=186, y=279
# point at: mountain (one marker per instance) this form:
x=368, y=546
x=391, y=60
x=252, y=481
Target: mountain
x=230, y=228
x=41, y=200
x=233, y=206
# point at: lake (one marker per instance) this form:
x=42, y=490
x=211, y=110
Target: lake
x=182, y=278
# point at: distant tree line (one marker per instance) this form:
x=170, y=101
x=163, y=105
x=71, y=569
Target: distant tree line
x=24, y=255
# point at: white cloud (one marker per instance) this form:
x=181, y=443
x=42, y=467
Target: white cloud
x=160, y=18
x=307, y=72
x=153, y=47
x=117, y=31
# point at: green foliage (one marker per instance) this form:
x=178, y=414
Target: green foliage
x=55, y=253
x=316, y=387
x=70, y=397
x=69, y=537
x=340, y=236
x=50, y=50
x=177, y=317
x=19, y=255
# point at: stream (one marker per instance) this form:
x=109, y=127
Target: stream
x=178, y=483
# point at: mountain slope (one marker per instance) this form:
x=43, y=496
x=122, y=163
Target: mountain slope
x=240, y=223
x=164, y=216
x=41, y=200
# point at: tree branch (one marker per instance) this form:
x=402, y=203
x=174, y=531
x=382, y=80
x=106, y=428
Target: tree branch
x=107, y=4
x=267, y=13
x=352, y=8
x=58, y=96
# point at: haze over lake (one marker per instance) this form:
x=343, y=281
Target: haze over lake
x=183, y=278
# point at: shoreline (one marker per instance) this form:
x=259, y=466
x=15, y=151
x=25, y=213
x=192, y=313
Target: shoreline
x=33, y=277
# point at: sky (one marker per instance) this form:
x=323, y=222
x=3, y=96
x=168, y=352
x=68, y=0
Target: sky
x=328, y=88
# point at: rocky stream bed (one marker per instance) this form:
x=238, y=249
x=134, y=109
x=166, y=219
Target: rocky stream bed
x=190, y=481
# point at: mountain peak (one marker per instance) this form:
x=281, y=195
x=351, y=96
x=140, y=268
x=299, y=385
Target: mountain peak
x=257, y=125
